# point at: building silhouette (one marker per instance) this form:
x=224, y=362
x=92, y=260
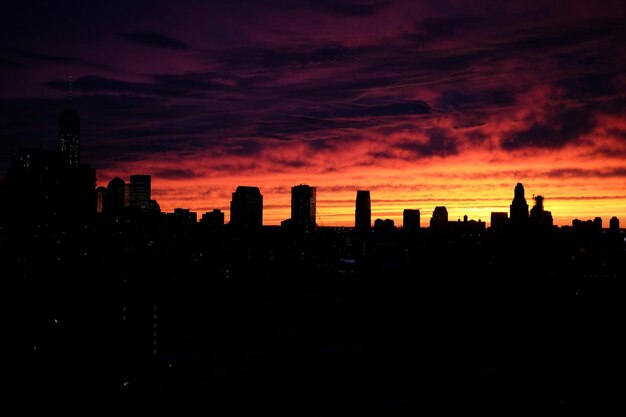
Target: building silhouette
x=588, y=226
x=411, y=220
x=539, y=216
x=519, y=206
x=40, y=187
x=115, y=197
x=499, y=220
x=614, y=224
x=439, y=217
x=69, y=135
x=303, y=206
x=184, y=216
x=363, y=212
x=213, y=219
x=246, y=208
x=384, y=227
x=597, y=222
x=139, y=190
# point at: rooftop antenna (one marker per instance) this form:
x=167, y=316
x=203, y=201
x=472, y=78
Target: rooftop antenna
x=70, y=96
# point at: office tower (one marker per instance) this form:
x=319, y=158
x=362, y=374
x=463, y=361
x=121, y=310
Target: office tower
x=411, y=220
x=499, y=220
x=440, y=217
x=246, y=208
x=303, y=206
x=614, y=224
x=139, y=192
x=538, y=215
x=597, y=223
x=363, y=212
x=114, y=198
x=69, y=134
x=519, y=207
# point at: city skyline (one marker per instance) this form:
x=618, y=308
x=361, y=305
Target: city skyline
x=423, y=105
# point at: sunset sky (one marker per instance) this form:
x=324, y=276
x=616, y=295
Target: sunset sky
x=424, y=103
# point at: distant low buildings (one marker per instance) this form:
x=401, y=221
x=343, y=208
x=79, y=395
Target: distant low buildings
x=213, y=219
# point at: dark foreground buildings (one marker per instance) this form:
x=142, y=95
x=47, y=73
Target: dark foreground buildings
x=137, y=313
x=50, y=188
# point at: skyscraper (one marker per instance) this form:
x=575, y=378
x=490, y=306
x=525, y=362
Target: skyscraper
x=246, y=208
x=519, y=206
x=363, y=212
x=69, y=134
x=411, y=220
x=303, y=206
x=614, y=224
x=440, y=217
x=539, y=216
x=114, y=198
x=139, y=190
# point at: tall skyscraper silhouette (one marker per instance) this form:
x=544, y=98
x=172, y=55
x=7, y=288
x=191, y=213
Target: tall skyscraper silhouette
x=411, y=220
x=363, y=212
x=519, y=206
x=614, y=224
x=538, y=215
x=303, y=212
x=114, y=199
x=139, y=190
x=440, y=217
x=246, y=208
x=69, y=133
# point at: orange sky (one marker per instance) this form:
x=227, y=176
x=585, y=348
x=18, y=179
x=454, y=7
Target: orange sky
x=577, y=181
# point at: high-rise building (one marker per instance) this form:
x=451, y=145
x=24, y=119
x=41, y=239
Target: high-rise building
x=411, y=220
x=139, y=190
x=69, y=135
x=597, y=222
x=303, y=206
x=246, y=208
x=114, y=200
x=538, y=215
x=519, y=206
x=440, y=217
x=614, y=224
x=363, y=212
